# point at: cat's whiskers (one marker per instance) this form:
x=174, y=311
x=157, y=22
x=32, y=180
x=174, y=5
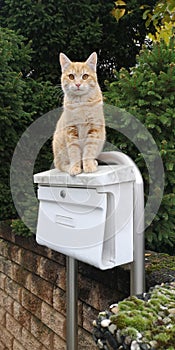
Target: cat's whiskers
x=80, y=131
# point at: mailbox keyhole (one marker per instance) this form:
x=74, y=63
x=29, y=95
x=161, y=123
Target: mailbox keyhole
x=63, y=193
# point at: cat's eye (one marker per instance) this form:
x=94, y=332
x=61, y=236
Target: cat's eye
x=71, y=76
x=85, y=76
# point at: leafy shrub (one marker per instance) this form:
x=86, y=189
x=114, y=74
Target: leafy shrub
x=20, y=229
x=76, y=28
x=13, y=118
x=22, y=100
x=148, y=93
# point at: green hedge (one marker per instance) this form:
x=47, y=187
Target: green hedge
x=147, y=91
x=22, y=100
x=77, y=28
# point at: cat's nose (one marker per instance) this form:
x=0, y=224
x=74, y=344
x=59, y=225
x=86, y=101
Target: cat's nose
x=78, y=85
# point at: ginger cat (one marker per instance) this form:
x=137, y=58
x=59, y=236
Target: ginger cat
x=80, y=131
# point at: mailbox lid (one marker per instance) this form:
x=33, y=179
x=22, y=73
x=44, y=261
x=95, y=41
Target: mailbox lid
x=105, y=175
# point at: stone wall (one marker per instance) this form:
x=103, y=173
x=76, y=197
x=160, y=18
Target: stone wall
x=33, y=295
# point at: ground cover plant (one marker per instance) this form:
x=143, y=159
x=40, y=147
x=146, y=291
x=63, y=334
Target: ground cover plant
x=146, y=322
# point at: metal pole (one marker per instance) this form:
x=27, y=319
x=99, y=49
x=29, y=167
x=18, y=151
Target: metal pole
x=72, y=304
x=138, y=266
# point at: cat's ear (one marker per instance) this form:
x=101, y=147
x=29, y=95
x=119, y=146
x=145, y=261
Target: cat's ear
x=64, y=61
x=92, y=61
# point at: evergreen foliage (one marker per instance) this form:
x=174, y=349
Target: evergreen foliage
x=76, y=28
x=21, y=101
x=148, y=93
x=43, y=29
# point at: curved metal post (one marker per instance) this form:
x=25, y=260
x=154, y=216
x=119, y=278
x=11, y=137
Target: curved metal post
x=137, y=275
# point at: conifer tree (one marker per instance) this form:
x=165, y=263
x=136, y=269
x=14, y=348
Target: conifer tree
x=21, y=101
x=148, y=93
x=76, y=28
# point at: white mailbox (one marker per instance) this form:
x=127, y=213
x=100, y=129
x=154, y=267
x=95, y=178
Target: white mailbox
x=88, y=217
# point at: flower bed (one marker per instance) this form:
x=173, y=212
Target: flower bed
x=145, y=322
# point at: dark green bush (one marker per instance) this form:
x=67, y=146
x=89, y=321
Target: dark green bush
x=19, y=228
x=22, y=100
x=77, y=28
x=148, y=93
x=13, y=118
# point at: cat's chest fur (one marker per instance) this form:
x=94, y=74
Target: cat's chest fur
x=80, y=131
x=83, y=117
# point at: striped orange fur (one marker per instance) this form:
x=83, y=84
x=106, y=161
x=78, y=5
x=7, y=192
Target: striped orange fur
x=80, y=132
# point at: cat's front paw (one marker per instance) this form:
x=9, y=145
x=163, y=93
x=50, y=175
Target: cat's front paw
x=75, y=170
x=90, y=165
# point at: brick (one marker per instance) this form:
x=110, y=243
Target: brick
x=21, y=315
x=59, y=300
x=8, y=268
x=85, y=340
x=48, y=270
x=21, y=276
x=57, y=257
x=29, y=341
x=2, y=295
x=17, y=345
x=5, y=337
x=59, y=303
x=89, y=292
x=30, y=260
x=42, y=289
x=89, y=314
x=31, y=244
x=52, y=272
x=6, y=301
x=13, y=289
x=2, y=264
x=31, y=303
x=54, y=320
x=13, y=327
x=80, y=313
x=2, y=316
x=42, y=332
x=15, y=254
x=58, y=343
x=92, y=293
x=2, y=346
x=61, y=277
x=4, y=248
x=2, y=280
x=8, y=304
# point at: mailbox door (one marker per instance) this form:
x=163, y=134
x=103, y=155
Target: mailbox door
x=72, y=220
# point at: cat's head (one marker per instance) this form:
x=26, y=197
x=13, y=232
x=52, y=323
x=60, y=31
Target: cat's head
x=78, y=78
